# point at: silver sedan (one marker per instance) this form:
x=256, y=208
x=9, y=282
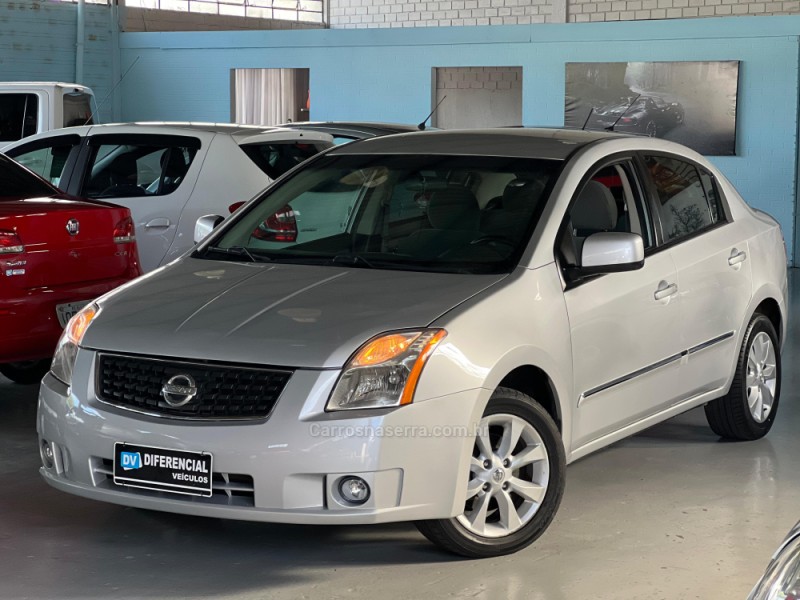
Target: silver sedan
x=425, y=327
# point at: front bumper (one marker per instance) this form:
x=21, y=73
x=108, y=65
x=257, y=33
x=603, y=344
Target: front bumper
x=414, y=458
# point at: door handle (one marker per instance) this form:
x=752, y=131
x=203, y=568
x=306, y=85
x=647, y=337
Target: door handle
x=737, y=257
x=160, y=222
x=665, y=290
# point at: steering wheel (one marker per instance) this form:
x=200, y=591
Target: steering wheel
x=492, y=239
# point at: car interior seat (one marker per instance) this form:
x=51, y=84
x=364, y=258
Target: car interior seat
x=454, y=216
x=124, y=175
x=520, y=198
x=594, y=211
x=174, y=168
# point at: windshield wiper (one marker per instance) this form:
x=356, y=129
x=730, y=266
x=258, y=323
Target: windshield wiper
x=352, y=259
x=238, y=251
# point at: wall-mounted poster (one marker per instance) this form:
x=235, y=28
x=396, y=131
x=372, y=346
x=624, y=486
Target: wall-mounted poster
x=692, y=103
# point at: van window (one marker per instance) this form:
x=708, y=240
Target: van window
x=18, y=116
x=77, y=109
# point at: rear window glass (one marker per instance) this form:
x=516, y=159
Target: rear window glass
x=276, y=159
x=16, y=182
x=18, y=116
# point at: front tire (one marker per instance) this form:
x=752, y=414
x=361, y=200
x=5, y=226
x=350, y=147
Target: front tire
x=26, y=372
x=516, y=481
x=748, y=410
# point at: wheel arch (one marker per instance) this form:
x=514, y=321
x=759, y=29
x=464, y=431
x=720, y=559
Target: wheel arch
x=534, y=382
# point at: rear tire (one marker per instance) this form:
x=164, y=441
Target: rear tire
x=513, y=500
x=748, y=410
x=26, y=372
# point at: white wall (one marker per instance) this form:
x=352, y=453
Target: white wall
x=478, y=97
x=359, y=14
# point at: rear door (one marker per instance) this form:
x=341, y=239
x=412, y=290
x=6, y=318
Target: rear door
x=152, y=174
x=712, y=258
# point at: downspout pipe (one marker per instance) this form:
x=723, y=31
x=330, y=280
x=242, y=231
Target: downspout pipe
x=81, y=37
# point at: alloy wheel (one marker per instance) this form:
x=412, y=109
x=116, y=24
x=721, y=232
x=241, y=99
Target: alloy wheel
x=509, y=475
x=761, y=377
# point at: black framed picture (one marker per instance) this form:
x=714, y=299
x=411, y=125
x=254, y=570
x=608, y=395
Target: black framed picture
x=692, y=103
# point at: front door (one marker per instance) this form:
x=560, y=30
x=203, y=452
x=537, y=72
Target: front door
x=626, y=355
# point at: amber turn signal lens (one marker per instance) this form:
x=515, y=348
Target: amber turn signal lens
x=79, y=323
x=383, y=349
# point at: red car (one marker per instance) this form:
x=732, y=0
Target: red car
x=57, y=253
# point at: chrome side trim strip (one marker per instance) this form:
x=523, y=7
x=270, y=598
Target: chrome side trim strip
x=657, y=365
x=662, y=363
x=710, y=343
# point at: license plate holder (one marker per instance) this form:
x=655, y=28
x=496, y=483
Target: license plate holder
x=163, y=469
x=66, y=311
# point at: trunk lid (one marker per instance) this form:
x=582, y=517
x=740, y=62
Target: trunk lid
x=65, y=240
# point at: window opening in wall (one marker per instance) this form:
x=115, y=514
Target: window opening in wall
x=477, y=97
x=288, y=10
x=270, y=96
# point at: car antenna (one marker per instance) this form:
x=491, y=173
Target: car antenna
x=421, y=126
x=614, y=124
x=108, y=95
x=589, y=116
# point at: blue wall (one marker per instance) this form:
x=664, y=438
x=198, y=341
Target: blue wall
x=38, y=42
x=386, y=75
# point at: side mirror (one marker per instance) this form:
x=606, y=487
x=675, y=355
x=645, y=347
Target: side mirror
x=612, y=252
x=206, y=225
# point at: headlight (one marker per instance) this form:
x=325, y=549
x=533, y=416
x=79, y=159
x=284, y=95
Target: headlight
x=384, y=372
x=67, y=348
x=782, y=578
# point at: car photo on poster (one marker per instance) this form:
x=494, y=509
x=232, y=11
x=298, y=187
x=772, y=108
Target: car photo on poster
x=692, y=103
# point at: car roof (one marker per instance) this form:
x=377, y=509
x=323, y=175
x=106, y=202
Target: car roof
x=229, y=128
x=29, y=84
x=368, y=127
x=556, y=144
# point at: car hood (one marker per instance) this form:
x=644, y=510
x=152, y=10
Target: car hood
x=282, y=315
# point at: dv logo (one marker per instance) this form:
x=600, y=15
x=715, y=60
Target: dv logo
x=130, y=460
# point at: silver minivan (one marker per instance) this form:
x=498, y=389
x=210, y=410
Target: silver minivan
x=425, y=327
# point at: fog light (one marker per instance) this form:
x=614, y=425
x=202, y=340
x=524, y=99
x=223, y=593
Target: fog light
x=47, y=454
x=354, y=490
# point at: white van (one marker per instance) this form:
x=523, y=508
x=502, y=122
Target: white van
x=32, y=107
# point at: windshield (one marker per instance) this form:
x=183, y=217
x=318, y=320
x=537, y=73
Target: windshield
x=461, y=214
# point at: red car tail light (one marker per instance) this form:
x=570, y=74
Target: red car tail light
x=123, y=232
x=278, y=227
x=10, y=243
x=235, y=206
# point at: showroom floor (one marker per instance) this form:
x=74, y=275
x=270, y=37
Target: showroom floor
x=671, y=513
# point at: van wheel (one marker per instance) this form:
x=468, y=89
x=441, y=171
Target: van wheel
x=26, y=372
x=748, y=410
x=515, y=483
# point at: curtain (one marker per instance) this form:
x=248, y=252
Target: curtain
x=266, y=96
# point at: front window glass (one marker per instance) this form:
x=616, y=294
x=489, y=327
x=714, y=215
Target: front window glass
x=429, y=213
x=48, y=161
x=124, y=170
x=16, y=182
x=18, y=116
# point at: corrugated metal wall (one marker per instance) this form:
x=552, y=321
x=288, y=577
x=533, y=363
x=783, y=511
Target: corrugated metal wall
x=38, y=39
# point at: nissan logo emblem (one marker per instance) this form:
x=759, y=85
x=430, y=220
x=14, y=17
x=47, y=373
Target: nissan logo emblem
x=73, y=227
x=179, y=390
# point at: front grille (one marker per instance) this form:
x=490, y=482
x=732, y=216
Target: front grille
x=223, y=391
x=228, y=489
